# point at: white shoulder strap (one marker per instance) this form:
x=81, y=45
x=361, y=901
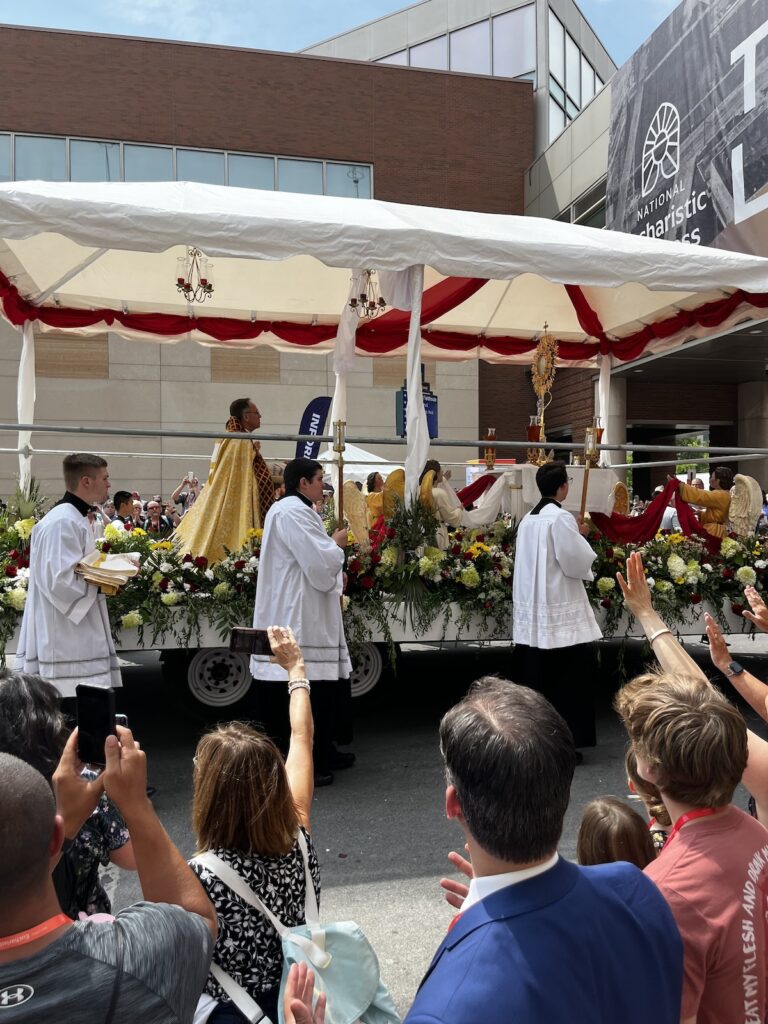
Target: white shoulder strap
x=237, y=994
x=312, y=949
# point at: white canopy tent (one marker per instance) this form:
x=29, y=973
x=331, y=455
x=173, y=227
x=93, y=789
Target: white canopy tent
x=84, y=256
x=359, y=463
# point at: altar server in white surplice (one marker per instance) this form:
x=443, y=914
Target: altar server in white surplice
x=300, y=584
x=65, y=635
x=553, y=624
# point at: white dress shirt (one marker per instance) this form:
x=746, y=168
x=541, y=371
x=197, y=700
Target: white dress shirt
x=484, y=886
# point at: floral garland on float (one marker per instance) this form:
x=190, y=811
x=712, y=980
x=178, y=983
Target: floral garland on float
x=403, y=575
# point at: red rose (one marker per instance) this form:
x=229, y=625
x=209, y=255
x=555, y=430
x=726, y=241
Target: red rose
x=201, y=562
x=391, y=533
x=609, y=552
x=480, y=538
x=456, y=549
x=505, y=548
x=606, y=602
x=187, y=559
x=13, y=554
x=128, y=526
x=737, y=608
x=728, y=574
x=367, y=582
x=375, y=559
x=164, y=584
x=695, y=598
x=488, y=604
x=355, y=566
x=191, y=588
x=23, y=563
x=106, y=547
x=10, y=570
x=239, y=564
x=467, y=557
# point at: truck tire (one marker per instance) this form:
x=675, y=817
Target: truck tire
x=211, y=679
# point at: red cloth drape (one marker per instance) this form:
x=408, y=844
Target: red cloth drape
x=642, y=528
x=469, y=494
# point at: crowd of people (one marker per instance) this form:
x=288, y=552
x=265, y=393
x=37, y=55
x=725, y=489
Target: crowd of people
x=664, y=913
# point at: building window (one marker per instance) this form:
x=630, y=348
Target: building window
x=5, y=158
x=300, y=176
x=514, y=42
x=556, y=48
x=587, y=81
x=94, y=161
x=250, y=171
x=148, y=163
x=350, y=180
x=50, y=158
x=556, y=119
x=572, y=71
x=432, y=54
x=471, y=49
x=199, y=165
x=400, y=58
x=40, y=158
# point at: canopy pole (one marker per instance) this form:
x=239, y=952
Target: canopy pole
x=416, y=428
x=343, y=361
x=25, y=402
x=604, y=402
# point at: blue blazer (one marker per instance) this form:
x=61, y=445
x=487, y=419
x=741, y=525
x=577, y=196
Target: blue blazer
x=596, y=945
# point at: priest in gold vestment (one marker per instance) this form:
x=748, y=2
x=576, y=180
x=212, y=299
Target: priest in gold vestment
x=237, y=494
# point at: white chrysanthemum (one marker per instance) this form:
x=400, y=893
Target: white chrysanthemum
x=746, y=576
x=131, y=620
x=166, y=567
x=16, y=597
x=605, y=584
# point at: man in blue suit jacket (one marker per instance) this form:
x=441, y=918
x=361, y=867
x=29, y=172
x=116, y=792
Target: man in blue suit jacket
x=539, y=940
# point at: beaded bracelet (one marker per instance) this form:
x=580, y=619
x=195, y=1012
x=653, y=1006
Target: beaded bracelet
x=298, y=684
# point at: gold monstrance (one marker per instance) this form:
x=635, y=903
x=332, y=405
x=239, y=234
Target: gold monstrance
x=543, y=369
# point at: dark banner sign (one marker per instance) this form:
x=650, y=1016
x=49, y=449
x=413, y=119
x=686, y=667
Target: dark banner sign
x=688, y=149
x=313, y=422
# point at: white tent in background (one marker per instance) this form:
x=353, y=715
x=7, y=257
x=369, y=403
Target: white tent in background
x=358, y=463
x=88, y=256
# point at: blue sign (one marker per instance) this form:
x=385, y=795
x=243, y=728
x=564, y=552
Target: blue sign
x=430, y=408
x=313, y=422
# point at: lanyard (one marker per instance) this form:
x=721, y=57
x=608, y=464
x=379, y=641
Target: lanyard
x=704, y=812
x=32, y=934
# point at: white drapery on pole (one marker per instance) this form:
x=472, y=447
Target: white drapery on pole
x=604, y=404
x=343, y=361
x=416, y=418
x=25, y=401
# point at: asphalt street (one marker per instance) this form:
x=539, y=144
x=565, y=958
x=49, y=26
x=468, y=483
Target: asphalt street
x=380, y=829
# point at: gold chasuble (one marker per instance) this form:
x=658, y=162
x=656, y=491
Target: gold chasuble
x=715, y=507
x=235, y=499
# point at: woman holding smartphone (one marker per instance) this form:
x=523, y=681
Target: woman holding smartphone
x=251, y=809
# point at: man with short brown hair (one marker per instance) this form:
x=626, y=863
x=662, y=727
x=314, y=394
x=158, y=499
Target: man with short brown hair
x=692, y=745
x=65, y=634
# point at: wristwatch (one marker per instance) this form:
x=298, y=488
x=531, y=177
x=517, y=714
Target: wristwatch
x=734, y=668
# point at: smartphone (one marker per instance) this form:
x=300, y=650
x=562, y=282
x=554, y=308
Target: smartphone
x=190, y=476
x=121, y=720
x=95, y=721
x=250, y=641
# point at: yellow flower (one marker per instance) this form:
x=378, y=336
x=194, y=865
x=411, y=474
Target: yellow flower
x=675, y=538
x=160, y=545
x=477, y=549
x=24, y=527
x=111, y=532
x=253, y=534
x=138, y=532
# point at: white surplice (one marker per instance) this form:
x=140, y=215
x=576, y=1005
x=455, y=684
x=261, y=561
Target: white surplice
x=299, y=585
x=65, y=635
x=550, y=607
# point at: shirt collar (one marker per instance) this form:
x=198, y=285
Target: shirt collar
x=484, y=886
x=72, y=499
x=297, y=494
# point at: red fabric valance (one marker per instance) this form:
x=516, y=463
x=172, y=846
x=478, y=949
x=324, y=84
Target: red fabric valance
x=642, y=528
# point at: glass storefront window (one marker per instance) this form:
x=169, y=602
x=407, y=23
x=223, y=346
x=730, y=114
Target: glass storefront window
x=251, y=171
x=94, y=161
x=199, y=165
x=5, y=157
x=556, y=48
x=39, y=158
x=572, y=70
x=514, y=42
x=300, y=176
x=471, y=49
x=433, y=54
x=351, y=180
x=148, y=163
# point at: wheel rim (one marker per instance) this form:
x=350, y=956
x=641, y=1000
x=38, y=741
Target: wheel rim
x=218, y=677
x=367, y=669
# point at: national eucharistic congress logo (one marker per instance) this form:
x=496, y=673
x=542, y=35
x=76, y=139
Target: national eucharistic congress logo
x=661, y=149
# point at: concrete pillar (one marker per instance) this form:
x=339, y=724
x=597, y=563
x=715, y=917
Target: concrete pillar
x=753, y=427
x=616, y=426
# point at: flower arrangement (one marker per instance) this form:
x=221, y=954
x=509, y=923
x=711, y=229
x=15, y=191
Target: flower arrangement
x=403, y=573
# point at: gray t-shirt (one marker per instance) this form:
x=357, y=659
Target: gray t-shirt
x=166, y=953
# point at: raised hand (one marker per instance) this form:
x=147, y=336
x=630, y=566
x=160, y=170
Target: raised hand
x=455, y=892
x=759, y=613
